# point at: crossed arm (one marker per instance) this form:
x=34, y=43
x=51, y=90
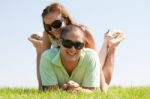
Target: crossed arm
x=70, y=86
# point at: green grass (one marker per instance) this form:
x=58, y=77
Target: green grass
x=113, y=93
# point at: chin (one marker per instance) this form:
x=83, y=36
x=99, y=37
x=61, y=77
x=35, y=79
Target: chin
x=71, y=59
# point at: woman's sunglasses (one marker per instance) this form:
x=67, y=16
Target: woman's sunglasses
x=69, y=44
x=55, y=24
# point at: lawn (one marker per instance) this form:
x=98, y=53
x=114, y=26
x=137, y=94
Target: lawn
x=113, y=93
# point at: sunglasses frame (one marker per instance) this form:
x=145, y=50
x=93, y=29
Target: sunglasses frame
x=53, y=24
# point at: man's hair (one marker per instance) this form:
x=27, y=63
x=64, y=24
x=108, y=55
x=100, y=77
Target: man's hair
x=70, y=28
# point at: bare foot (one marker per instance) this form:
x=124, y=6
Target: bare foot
x=114, y=42
x=113, y=38
x=36, y=40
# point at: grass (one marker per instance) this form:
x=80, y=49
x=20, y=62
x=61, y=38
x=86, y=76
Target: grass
x=113, y=93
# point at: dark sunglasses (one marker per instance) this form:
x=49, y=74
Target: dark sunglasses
x=69, y=44
x=55, y=24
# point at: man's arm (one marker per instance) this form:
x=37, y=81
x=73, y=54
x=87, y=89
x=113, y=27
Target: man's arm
x=74, y=87
x=92, y=74
x=48, y=77
x=50, y=88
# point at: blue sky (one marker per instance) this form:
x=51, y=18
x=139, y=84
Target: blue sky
x=21, y=18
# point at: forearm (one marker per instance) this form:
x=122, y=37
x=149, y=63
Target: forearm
x=74, y=87
x=81, y=89
x=87, y=90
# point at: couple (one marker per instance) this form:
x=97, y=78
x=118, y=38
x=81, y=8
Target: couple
x=55, y=20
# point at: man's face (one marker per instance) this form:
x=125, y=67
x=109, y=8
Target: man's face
x=72, y=54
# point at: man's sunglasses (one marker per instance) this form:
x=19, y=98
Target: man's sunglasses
x=69, y=44
x=55, y=24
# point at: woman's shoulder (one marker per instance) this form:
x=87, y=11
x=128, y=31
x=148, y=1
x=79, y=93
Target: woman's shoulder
x=82, y=26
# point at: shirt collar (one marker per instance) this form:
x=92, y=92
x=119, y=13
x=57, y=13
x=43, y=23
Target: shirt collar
x=57, y=60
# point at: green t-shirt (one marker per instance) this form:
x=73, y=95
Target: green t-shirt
x=86, y=73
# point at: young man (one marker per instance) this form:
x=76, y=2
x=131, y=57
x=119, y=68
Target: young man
x=71, y=66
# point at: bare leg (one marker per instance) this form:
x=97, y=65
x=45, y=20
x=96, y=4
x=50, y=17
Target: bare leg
x=38, y=71
x=108, y=66
x=107, y=56
x=38, y=45
x=103, y=53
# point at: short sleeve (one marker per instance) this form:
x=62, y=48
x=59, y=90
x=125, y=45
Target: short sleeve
x=92, y=74
x=48, y=76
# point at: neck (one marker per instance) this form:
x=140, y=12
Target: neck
x=69, y=65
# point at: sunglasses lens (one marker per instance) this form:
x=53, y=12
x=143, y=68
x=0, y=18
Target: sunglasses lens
x=69, y=44
x=56, y=24
x=78, y=45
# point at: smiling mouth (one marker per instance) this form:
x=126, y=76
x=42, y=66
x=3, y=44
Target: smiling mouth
x=71, y=53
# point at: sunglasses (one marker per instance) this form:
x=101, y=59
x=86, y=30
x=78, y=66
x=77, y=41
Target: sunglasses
x=55, y=24
x=69, y=44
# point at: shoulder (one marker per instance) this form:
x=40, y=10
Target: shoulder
x=90, y=53
x=91, y=58
x=85, y=28
x=50, y=53
x=88, y=36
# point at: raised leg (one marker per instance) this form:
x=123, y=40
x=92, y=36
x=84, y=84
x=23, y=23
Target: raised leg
x=37, y=43
x=107, y=57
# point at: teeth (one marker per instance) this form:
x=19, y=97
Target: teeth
x=71, y=53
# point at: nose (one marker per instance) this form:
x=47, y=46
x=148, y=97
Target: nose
x=72, y=48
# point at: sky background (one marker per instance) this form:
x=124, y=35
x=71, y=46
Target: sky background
x=20, y=18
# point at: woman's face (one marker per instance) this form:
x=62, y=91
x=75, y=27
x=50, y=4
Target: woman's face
x=52, y=25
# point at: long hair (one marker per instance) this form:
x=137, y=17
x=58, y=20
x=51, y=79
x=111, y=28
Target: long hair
x=59, y=8
x=90, y=43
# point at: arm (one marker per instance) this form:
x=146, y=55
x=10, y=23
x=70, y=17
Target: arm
x=91, y=78
x=50, y=88
x=44, y=46
x=74, y=87
x=89, y=39
x=83, y=89
x=47, y=74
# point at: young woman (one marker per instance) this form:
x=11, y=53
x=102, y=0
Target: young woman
x=55, y=17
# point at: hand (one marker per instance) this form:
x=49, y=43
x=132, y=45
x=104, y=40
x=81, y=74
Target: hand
x=72, y=86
